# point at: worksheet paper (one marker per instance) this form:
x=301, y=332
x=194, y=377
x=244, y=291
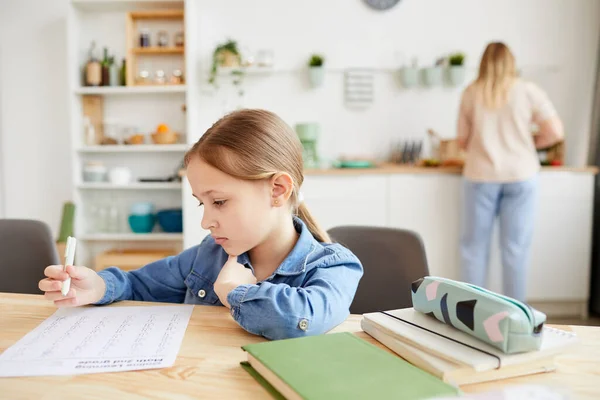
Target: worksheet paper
x=99, y=339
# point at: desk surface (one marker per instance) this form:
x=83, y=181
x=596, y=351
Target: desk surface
x=208, y=362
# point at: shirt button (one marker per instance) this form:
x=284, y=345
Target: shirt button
x=201, y=293
x=303, y=324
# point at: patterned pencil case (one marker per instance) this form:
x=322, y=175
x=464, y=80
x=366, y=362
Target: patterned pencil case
x=503, y=322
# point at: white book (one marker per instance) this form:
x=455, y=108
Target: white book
x=446, y=350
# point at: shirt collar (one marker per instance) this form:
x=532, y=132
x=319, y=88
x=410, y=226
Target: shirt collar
x=295, y=262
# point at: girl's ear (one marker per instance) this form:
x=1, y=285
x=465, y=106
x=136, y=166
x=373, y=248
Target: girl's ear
x=282, y=186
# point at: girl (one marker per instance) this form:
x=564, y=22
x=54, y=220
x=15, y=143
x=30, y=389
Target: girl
x=502, y=165
x=266, y=259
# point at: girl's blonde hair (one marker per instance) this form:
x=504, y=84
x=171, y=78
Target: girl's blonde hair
x=255, y=144
x=497, y=73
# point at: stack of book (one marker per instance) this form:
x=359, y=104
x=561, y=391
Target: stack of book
x=454, y=356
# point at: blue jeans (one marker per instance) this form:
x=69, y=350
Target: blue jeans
x=514, y=204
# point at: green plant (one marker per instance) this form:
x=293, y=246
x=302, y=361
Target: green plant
x=456, y=59
x=218, y=59
x=316, y=60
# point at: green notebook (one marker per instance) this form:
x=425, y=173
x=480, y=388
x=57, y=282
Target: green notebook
x=338, y=366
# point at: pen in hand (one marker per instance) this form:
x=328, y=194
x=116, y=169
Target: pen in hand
x=69, y=257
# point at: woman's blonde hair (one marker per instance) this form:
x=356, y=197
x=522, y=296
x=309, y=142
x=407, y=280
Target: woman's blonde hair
x=497, y=73
x=255, y=144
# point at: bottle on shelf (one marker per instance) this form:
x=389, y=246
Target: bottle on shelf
x=113, y=72
x=93, y=69
x=123, y=73
x=105, y=68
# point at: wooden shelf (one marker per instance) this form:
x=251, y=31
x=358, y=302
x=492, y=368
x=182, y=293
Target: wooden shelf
x=157, y=14
x=135, y=148
x=131, y=186
x=126, y=5
x=157, y=51
x=132, y=30
x=125, y=90
x=131, y=237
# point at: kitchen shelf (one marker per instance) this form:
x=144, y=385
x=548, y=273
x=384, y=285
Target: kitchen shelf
x=157, y=50
x=131, y=186
x=135, y=148
x=126, y=90
x=125, y=5
x=132, y=237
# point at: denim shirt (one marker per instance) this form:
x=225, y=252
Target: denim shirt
x=308, y=294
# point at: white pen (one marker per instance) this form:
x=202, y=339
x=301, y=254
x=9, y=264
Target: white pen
x=69, y=257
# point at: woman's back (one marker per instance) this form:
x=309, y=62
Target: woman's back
x=501, y=146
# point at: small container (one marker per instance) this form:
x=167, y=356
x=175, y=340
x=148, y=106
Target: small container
x=119, y=176
x=142, y=208
x=177, y=77
x=163, y=39
x=179, y=39
x=143, y=77
x=94, y=172
x=144, y=38
x=159, y=77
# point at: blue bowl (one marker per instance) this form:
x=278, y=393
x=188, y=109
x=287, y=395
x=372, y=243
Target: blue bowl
x=141, y=208
x=171, y=220
x=141, y=223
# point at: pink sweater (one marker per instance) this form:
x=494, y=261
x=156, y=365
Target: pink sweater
x=499, y=143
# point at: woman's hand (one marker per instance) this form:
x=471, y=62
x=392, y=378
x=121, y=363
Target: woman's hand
x=87, y=286
x=232, y=275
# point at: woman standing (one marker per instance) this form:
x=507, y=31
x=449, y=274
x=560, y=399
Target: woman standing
x=500, y=175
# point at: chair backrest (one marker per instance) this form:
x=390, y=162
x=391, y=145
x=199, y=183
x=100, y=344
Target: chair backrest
x=26, y=249
x=392, y=259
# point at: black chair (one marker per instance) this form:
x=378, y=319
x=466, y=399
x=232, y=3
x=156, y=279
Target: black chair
x=392, y=259
x=26, y=249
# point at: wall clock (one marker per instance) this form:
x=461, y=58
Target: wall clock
x=382, y=4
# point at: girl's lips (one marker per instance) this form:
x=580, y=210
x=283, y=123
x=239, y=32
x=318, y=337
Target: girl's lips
x=220, y=240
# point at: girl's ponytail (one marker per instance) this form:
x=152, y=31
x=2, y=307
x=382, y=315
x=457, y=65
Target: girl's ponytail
x=314, y=228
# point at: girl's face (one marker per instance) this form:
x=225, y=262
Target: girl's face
x=239, y=213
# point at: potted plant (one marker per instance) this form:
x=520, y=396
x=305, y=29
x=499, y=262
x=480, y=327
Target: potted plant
x=227, y=55
x=456, y=70
x=409, y=75
x=432, y=76
x=316, y=70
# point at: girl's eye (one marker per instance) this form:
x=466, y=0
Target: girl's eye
x=200, y=204
x=219, y=203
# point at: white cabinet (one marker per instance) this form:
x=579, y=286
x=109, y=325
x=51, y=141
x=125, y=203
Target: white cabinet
x=429, y=205
x=347, y=200
x=561, y=250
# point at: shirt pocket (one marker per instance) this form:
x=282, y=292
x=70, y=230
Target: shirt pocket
x=201, y=289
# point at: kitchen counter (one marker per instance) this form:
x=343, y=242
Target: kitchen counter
x=405, y=169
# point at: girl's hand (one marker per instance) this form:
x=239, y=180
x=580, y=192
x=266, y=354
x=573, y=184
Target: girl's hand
x=86, y=286
x=232, y=275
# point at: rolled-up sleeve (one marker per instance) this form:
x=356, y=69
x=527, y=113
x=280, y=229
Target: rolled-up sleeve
x=544, y=115
x=160, y=281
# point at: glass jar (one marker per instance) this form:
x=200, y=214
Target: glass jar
x=177, y=77
x=179, y=39
x=163, y=39
x=143, y=77
x=144, y=38
x=159, y=77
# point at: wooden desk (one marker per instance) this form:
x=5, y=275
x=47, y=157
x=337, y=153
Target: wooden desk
x=208, y=362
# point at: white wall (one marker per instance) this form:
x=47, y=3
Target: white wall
x=555, y=43
x=33, y=106
x=562, y=34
